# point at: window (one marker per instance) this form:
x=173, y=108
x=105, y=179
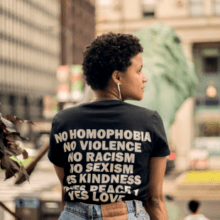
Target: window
x=12, y=104
x=216, y=7
x=210, y=58
x=148, y=7
x=41, y=108
x=25, y=101
x=196, y=8
x=208, y=129
x=12, y=100
x=211, y=64
x=211, y=129
x=211, y=102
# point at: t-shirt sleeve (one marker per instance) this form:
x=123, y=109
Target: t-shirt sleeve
x=160, y=148
x=53, y=154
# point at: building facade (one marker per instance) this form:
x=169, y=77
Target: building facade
x=197, y=23
x=37, y=36
x=78, y=29
x=29, y=55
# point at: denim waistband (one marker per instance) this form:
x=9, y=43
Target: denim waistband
x=93, y=210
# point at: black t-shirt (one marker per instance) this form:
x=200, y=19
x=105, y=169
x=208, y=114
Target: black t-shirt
x=105, y=148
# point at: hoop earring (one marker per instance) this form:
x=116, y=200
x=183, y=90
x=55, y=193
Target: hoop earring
x=119, y=91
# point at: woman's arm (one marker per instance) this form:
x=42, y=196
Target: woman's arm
x=155, y=202
x=60, y=174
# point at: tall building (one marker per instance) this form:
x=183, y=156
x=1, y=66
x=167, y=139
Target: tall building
x=36, y=36
x=78, y=29
x=29, y=55
x=197, y=23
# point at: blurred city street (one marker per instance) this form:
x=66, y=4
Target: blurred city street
x=208, y=192
x=41, y=54
x=44, y=182
x=42, y=179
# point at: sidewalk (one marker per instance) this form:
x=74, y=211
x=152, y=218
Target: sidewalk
x=202, y=185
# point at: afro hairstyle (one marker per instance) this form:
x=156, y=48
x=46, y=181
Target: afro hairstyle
x=107, y=53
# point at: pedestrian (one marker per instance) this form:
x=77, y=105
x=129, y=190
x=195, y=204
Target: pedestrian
x=194, y=207
x=110, y=156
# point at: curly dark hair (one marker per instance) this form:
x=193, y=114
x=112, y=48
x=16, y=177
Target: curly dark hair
x=107, y=53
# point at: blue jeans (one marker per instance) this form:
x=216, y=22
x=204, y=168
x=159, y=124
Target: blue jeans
x=82, y=211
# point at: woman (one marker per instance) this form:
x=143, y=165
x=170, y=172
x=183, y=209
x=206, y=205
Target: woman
x=110, y=156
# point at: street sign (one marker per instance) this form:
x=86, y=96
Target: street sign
x=76, y=83
x=63, y=73
x=50, y=106
x=63, y=93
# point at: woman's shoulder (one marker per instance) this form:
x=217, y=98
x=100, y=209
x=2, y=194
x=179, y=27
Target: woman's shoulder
x=139, y=109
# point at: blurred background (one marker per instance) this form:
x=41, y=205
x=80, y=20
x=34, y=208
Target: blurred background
x=41, y=45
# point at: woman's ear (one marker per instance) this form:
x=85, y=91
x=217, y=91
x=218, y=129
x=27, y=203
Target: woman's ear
x=116, y=76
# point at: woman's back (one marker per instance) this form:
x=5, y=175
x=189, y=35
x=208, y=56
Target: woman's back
x=105, y=149
x=109, y=155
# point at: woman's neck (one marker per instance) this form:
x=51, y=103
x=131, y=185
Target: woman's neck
x=103, y=99
x=101, y=96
